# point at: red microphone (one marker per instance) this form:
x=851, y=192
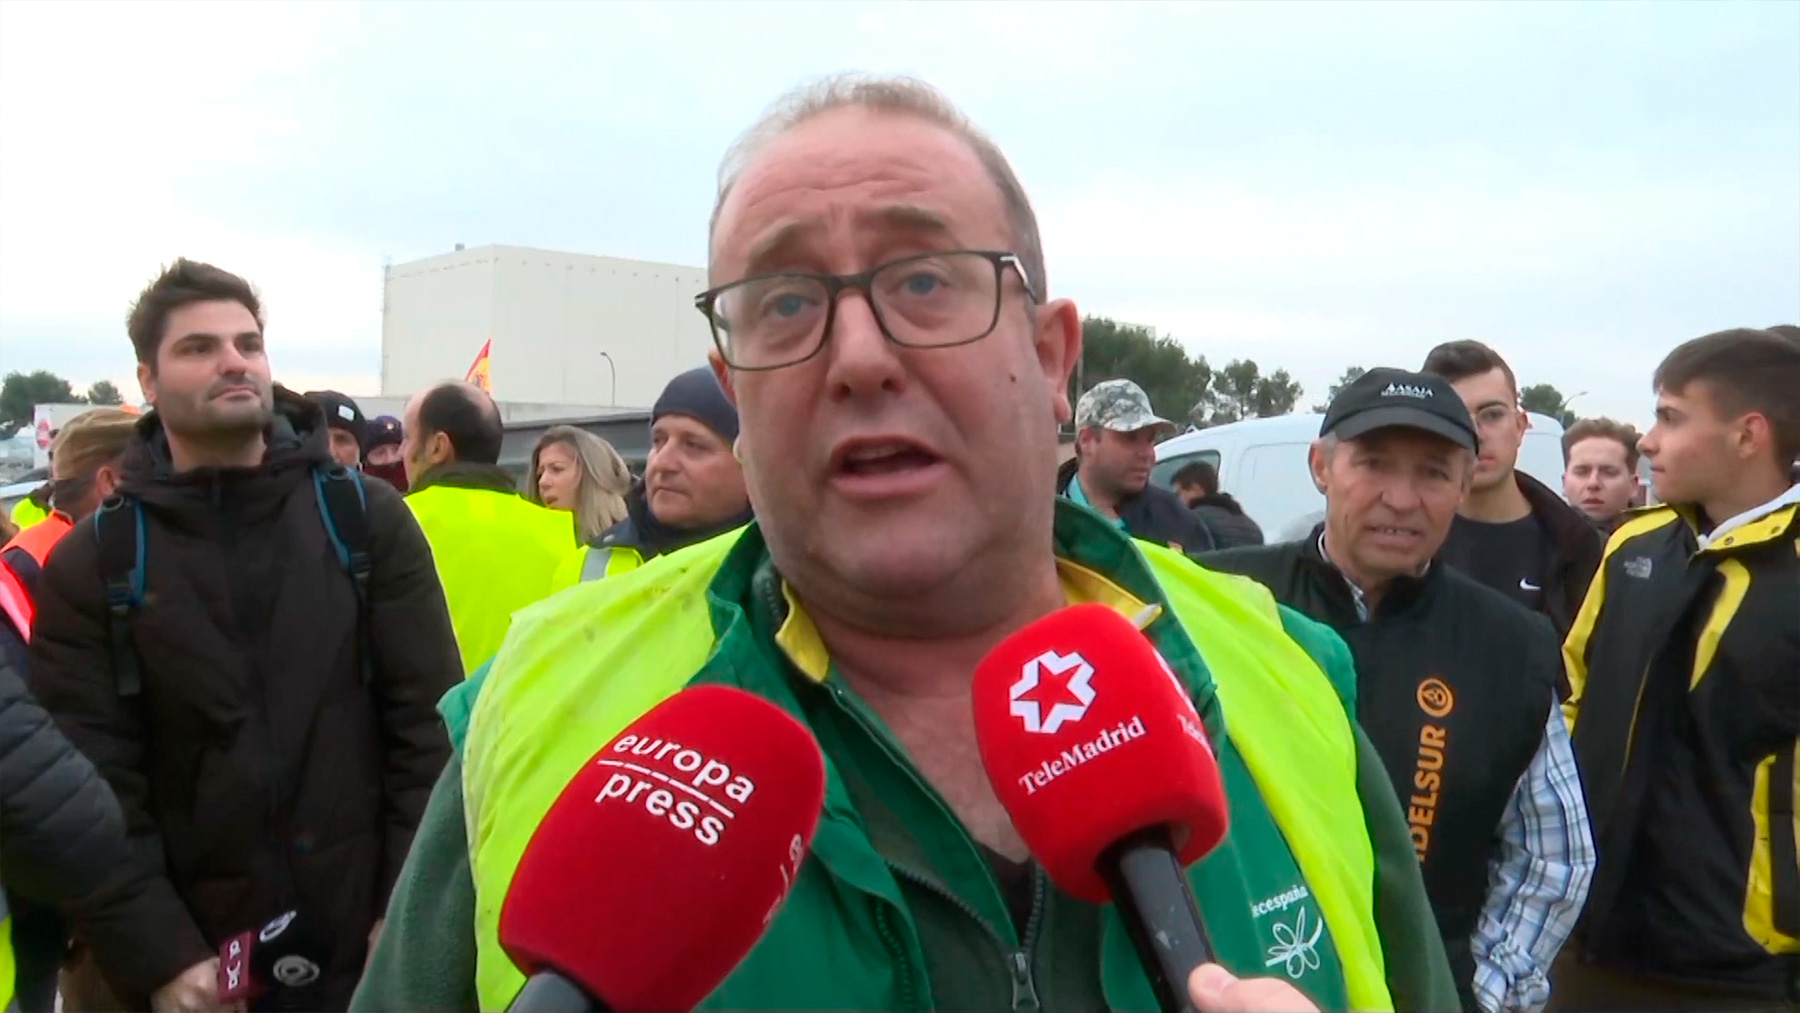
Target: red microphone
x=1095, y=750
x=663, y=861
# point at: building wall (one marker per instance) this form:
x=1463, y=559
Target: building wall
x=436, y=315
x=567, y=328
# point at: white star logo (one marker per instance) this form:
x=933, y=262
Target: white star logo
x=1075, y=675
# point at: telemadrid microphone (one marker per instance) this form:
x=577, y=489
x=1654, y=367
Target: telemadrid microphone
x=664, y=860
x=281, y=962
x=1095, y=750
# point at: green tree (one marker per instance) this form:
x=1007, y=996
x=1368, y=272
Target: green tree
x=104, y=393
x=1547, y=400
x=1176, y=382
x=1351, y=375
x=22, y=391
x=1240, y=391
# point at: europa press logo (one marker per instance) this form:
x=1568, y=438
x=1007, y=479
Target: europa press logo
x=1053, y=690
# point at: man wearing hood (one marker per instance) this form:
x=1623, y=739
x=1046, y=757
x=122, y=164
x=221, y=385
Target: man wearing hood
x=693, y=485
x=264, y=710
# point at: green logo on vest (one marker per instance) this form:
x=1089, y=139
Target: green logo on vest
x=1296, y=931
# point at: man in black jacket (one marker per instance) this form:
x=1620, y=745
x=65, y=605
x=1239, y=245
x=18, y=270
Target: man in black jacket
x=1513, y=533
x=1115, y=448
x=265, y=715
x=693, y=486
x=1685, y=663
x=1198, y=486
x=61, y=831
x=1455, y=684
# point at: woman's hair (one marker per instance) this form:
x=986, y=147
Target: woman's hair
x=600, y=499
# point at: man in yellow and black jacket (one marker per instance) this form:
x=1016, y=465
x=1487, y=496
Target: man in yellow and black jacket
x=1685, y=667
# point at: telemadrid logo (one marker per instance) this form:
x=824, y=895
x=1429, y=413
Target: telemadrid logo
x=1030, y=712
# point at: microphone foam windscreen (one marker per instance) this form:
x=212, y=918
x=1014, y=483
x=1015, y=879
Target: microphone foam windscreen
x=1088, y=736
x=662, y=862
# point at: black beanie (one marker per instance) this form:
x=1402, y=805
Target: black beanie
x=341, y=412
x=697, y=394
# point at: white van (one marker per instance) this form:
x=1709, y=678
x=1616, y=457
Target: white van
x=1262, y=463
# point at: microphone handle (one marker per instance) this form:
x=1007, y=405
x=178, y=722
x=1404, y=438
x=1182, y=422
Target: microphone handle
x=549, y=992
x=1151, y=891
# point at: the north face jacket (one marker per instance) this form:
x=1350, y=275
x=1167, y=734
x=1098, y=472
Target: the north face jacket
x=1685, y=666
x=257, y=769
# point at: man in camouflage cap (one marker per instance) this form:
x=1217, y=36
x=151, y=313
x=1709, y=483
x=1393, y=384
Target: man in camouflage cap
x=1115, y=448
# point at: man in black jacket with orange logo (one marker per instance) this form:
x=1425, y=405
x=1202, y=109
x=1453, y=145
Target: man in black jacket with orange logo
x=1455, y=684
x=1685, y=664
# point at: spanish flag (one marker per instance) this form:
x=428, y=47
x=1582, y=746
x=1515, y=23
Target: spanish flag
x=478, y=372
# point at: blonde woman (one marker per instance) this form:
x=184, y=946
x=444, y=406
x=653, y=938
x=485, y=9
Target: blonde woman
x=572, y=469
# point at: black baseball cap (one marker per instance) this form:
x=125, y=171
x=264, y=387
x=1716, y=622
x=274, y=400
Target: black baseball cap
x=341, y=412
x=1386, y=398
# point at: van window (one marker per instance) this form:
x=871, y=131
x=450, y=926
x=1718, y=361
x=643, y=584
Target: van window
x=1163, y=475
x=1275, y=484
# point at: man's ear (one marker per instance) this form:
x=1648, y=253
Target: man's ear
x=723, y=373
x=106, y=480
x=439, y=449
x=1318, y=461
x=1753, y=436
x=146, y=377
x=1057, y=342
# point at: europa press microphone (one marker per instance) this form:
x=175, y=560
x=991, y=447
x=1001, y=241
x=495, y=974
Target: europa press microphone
x=1095, y=750
x=661, y=864
x=280, y=963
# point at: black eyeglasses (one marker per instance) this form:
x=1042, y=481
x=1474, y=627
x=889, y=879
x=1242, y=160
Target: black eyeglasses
x=932, y=300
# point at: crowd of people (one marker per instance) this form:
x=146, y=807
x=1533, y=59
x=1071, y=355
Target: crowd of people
x=1525, y=750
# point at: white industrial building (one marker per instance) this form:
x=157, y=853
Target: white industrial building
x=566, y=329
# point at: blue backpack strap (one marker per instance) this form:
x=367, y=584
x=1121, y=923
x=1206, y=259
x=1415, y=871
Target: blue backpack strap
x=119, y=530
x=343, y=506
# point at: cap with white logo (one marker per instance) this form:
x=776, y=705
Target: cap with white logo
x=1389, y=398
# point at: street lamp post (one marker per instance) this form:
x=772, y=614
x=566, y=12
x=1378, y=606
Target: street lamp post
x=612, y=370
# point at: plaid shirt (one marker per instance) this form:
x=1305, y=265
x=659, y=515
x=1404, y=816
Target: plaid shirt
x=1538, y=880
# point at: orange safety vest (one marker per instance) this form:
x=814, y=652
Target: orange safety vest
x=40, y=538
x=15, y=604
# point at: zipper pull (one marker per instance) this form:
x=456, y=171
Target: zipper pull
x=1024, y=992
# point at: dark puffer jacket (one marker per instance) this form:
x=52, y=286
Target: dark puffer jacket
x=257, y=770
x=1230, y=527
x=61, y=831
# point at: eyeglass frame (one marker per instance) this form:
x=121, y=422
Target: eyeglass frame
x=862, y=281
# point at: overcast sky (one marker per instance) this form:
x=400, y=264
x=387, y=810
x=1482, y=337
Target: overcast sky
x=1311, y=186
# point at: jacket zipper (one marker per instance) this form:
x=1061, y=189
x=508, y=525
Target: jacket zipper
x=1018, y=960
x=271, y=758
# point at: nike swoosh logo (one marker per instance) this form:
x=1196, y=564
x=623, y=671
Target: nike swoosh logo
x=1526, y=585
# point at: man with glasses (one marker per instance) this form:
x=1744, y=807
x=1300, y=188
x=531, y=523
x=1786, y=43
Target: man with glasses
x=882, y=325
x=1513, y=533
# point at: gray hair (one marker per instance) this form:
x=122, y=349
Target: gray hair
x=904, y=96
